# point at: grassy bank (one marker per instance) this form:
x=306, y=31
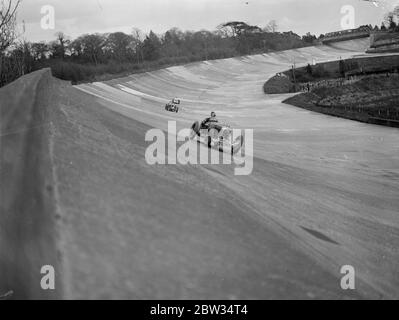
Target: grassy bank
x=345, y=68
x=373, y=99
x=339, y=69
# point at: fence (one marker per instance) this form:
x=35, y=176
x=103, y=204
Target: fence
x=339, y=82
x=362, y=113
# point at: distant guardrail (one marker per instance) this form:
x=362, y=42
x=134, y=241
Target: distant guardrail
x=344, y=35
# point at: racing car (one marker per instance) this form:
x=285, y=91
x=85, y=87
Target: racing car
x=217, y=135
x=173, y=106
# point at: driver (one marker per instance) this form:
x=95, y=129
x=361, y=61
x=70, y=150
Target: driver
x=212, y=121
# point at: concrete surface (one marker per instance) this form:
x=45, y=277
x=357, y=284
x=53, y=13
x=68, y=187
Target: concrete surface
x=323, y=193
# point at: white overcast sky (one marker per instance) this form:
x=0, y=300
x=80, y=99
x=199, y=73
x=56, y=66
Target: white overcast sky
x=76, y=17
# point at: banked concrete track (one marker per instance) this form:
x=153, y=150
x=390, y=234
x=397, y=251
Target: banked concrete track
x=77, y=193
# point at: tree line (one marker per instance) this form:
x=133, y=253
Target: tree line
x=391, y=21
x=93, y=55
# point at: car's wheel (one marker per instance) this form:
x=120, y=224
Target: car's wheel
x=239, y=141
x=209, y=142
x=237, y=145
x=195, y=128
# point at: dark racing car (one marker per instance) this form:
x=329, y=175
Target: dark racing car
x=215, y=134
x=173, y=106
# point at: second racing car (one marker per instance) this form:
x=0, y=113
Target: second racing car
x=173, y=106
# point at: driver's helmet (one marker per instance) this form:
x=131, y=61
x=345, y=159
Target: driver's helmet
x=213, y=115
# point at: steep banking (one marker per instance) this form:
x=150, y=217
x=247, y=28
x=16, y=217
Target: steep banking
x=342, y=181
x=127, y=229
x=27, y=208
x=131, y=230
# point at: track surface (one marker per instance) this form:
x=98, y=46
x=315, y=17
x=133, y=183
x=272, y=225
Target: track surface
x=323, y=193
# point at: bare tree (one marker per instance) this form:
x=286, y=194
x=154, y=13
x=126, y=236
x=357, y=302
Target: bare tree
x=138, y=39
x=63, y=42
x=271, y=27
x=8, y=34
x=391, y=19
x=8, y=14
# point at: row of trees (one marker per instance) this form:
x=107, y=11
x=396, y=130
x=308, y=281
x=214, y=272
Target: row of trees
x=91, y=55
x=232, y=38
x=133, y=48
